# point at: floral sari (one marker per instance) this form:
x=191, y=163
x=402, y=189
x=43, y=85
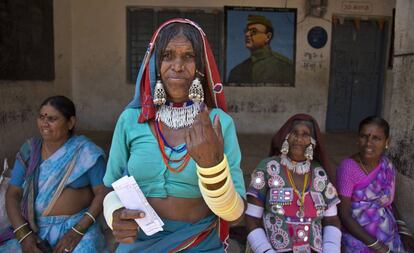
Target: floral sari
x=371, y=208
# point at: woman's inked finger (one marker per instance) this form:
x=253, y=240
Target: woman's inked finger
x=205, y=118
x=217, y=127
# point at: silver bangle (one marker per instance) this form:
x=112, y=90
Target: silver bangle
x=373, y=244
x=18, y=228
x=401, y=222
x=24, y=237
x=91, y=216
x=77, y=231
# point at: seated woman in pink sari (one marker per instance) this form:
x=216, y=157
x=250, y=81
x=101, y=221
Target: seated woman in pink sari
x=366, y=185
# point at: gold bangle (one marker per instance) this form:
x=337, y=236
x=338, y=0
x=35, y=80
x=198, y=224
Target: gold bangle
x=215, y=169
x=236, y=212
x=90, y=216
x=225, y=198
x=222, y=207
x=238, y=208
x=230, y=205
x=213, y=180
x=25, y=236
x=19, y=227
x=218, y=192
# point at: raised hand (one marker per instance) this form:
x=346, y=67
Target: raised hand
x=204, y=140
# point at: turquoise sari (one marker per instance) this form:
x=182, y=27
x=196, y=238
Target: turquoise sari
x=42, y=179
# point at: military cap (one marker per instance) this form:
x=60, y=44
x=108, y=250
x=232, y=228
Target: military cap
x=257, y=19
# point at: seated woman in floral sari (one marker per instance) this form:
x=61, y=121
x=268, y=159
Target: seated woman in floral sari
x=366, y=185
x=56, y=190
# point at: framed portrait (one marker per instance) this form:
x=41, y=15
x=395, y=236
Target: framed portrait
x=260, y=46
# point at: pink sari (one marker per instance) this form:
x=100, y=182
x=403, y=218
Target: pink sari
x=371, y=208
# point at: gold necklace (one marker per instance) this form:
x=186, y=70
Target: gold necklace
x=46, y=151
x=301, y=197
x=362, y=165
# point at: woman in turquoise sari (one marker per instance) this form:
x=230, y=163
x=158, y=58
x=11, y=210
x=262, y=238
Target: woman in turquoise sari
x=56, y=190
x=176, y=140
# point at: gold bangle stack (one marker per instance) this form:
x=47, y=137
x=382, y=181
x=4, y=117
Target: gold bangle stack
x=225, y=202
x=22, y=232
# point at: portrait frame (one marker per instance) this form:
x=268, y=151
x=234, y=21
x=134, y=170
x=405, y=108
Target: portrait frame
x=275, y=67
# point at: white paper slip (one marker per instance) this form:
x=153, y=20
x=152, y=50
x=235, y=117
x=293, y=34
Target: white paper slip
x=132, y=198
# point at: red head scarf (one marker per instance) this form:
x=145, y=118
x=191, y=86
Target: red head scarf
x=319, y=151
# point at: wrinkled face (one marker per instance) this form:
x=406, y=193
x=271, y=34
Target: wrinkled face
x=372, y=141
x=256, y=36
x=52, y=125
x=178, y=68
x=299, y=139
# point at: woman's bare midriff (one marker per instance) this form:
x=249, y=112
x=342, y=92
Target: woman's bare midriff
x=72, y=201
x=180, y=209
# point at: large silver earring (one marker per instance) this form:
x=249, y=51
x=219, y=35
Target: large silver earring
x=196, y=93
x=160, y=97
x=285, y=146
x=309, y=150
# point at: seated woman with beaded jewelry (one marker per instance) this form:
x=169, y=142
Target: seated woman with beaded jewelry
x=366, y=186
x=290, y=195
x=56, y=190
x=181, y=147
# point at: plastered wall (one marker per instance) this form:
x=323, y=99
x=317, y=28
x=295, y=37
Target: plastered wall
x=19, y=101
x=90, y=65
x=401, y=115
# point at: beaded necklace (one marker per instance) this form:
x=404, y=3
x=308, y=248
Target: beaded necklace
x=162, y=143
x=301, y=196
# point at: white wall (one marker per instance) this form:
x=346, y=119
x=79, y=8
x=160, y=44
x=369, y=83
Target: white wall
x=99, y=65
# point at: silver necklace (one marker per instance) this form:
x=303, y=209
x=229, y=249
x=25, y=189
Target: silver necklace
x=300, y=168
x=178, y=116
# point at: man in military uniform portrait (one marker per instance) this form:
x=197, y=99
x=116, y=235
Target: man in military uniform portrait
x=264, y=66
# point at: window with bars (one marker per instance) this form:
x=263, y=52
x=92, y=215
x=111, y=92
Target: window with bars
x=141, y=23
